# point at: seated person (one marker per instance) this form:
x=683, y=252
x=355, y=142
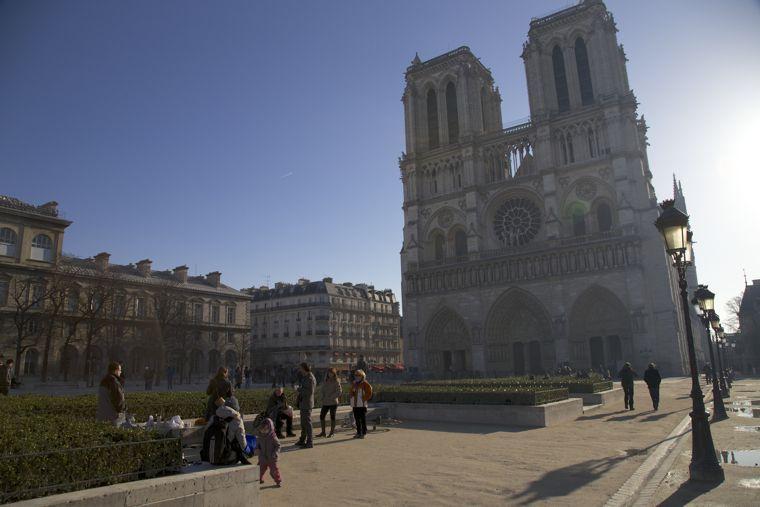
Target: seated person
x=235, y=426
x=278, y=410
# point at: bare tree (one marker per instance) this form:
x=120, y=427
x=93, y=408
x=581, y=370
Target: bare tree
x=28, y=296
x=59, y=288
x=732, y=310
x=96, y=309
x=169, y=317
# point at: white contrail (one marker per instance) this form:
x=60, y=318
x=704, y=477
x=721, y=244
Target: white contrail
x=286, y=175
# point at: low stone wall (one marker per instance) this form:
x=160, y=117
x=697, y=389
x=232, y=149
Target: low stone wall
x=603, y=398
x=214, y=487
x=538, y=416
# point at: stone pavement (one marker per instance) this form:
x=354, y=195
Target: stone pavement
x=584, y=462
x=733, y=438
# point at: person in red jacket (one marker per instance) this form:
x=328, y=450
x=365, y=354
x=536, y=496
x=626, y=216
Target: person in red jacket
x=359, y=395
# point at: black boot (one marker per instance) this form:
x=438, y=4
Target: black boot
x=323, y=428
x=332, y=428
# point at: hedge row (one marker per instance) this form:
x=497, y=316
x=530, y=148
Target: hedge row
x=43, y=454
x=592, y=384
x=524, y=395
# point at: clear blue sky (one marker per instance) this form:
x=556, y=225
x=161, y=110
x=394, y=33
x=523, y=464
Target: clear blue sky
x=261, y=138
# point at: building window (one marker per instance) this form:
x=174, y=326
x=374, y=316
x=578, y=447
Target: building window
x=42, y=248
x=8, y=241
x=584, y=72
x=230, y=337
x=604, y=217
x=214, y=336
x=198, y=312
x=560, y=80
x=440, y=247
x=460, y=243
x=452, y=114
x=483, y=108
x=579, y=223
x=432, y=118
x=215, y=314
x=230, y=315
x=38, y=295
x=4, y=288
x=140, y=310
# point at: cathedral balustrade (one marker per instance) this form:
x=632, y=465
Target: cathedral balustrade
x=552, y=258
x=508, y=154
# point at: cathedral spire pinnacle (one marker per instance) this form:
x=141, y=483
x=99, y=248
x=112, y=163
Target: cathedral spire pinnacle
x=416, y=60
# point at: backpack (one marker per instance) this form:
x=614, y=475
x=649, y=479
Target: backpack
x=217, y=450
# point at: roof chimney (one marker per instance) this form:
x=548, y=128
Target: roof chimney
x=303, y=281
x=214, y=278
x=327, y=279
x=180, y=273
x=143, y=267
x=101, y=261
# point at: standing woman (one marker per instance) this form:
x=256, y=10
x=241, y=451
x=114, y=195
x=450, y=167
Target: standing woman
x=360, y=394
x=218, y=387
x=652, y=378
x=331, y=391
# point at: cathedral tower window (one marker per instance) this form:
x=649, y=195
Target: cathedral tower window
x=483, y=107
x=440, y=247
x=604, y=217
x=460, y=244
x=584, y=72
x=432, y=118
x=593, y=143
x=560, y=80
x=579, y=223
x=570, y=151
x=452, y=113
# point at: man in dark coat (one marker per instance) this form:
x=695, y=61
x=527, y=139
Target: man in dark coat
x=652, y=378
x=305, y=403
x=111, y=401
x=278, y=410
x=626, y=380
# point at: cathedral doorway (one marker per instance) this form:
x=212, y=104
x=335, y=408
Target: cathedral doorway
x=447, y=345
x=518, y=335
x=599, y=325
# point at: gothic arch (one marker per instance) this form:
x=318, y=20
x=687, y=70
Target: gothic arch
x=439, y=220
x=447, y=343
x=578, y=202
x=518, y=335
x=599, y=329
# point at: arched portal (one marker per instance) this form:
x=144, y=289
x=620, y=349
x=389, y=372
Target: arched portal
x=518, y=335
x=600, y=330
x=447, y=344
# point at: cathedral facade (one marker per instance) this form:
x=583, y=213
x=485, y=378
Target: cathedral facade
x=533, y=246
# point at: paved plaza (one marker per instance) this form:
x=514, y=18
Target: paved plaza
x=580, y=463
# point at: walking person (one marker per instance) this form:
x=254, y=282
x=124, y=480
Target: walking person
x=331, y=391
x=626, y=380
x=652, y=378
x=111, y=403
x=247, y=375
x=170, y=377
x=238, y=377
x=6, y=376
x=268, y=447
x=305, y=404
x=359, y=395
x=148, y=378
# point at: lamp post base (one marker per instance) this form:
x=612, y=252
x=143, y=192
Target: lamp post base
x=719, y=409
x=704, y=466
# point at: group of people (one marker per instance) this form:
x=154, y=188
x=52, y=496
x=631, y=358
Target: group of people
x=728, y=374
x=652, y=378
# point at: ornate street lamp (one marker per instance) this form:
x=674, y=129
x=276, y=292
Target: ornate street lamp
x=673, y=224
x=705, y=299
x=719, y=341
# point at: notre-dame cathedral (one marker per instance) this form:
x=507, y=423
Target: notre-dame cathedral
x=533, y=246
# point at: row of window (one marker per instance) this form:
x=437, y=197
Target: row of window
x=42, y=245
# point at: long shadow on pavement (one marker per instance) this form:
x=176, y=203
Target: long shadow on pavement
x=599, y=416
x=565, y=480
x=481, y=429
x=687, y=492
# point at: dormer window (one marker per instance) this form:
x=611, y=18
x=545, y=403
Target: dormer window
x=42, y=248
x=8, y=241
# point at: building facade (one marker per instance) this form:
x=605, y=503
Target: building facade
x=325, y=324
x=532, y=246
x=70, y=316
x=747, y=350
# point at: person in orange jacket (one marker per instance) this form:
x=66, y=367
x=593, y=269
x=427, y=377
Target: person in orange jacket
x=359, y=395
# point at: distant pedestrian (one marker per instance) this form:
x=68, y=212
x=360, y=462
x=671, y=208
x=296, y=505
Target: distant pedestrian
x=331, y=391
x=148, y=377
x=359, y=395
x=268, y=447
x=652, y=378
x=305, y=404
x=708, y=373
x=247, y=376
x=111, y=403
x=6, y=376
x=238, y=377
x=170, y=377
x=626, y=380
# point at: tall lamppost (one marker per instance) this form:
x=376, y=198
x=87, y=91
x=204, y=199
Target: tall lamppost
x=705, y=300
x=673, y=224
x=724, y=387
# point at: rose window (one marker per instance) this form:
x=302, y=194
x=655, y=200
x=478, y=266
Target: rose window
x=517, y=221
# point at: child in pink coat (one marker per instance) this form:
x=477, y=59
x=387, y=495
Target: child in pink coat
x=268, y=449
